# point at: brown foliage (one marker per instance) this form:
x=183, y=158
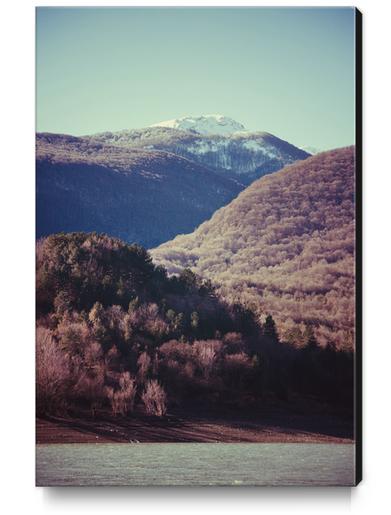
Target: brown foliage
x=53, y=374
x=122, y=399
x=144, y=364
x=154, y=399
x=206, y=354
x=286, y=244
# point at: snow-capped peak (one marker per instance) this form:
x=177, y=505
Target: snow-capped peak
x=206, y=124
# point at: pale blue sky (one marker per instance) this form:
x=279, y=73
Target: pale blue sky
x=287, y=71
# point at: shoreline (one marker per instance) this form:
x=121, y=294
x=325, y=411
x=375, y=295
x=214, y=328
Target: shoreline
x=274, y=428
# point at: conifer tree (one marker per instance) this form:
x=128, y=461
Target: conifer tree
x=269, y=329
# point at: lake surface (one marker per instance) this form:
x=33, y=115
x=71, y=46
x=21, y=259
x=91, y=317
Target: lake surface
x=195, y=464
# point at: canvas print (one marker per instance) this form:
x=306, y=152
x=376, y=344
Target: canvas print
x=198, y=247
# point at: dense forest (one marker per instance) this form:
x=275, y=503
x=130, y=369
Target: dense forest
x=286, y=247
x=143, y=196
x=116, y=333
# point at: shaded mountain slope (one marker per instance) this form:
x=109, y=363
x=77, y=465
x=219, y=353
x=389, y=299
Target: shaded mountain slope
x=285, y=246
x=140, y=196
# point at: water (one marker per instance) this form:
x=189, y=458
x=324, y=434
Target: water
x=195, y=464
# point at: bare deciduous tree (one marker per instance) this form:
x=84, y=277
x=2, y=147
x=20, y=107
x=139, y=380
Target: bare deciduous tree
x=53, y=374
x=155, y=399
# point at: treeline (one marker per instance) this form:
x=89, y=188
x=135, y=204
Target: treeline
x=115, y=332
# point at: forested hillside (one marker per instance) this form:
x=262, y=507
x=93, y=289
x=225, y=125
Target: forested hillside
x=141, y=196
x=115, y=333
x=286, y=247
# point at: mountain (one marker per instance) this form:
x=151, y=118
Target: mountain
x=206, y=124
x=149, y=185
x=285, y=246
x=143, y=196
x=214, y=141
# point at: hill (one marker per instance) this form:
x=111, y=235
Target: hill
x=286, y=247
x=117, y=335
x=143, y=196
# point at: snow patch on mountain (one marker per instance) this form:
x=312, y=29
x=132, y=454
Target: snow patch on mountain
x=255, y=146
x=214, y=141
x=206, y=124
x=205, y=146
